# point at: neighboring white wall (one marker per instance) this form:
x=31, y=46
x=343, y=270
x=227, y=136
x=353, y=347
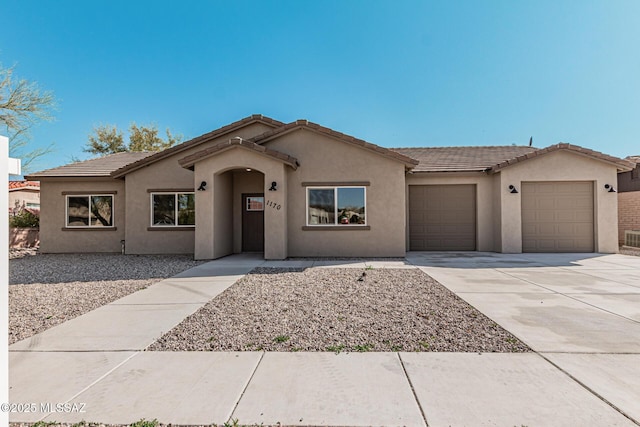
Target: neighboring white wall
x=484, y=201
x=560, y=166
x=4, y=291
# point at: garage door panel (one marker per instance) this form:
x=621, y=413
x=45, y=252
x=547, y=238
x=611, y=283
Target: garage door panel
x=557, y=217
x=442, y=217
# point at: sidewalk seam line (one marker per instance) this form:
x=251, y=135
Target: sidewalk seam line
x=413, y=391
x=589, y=389
x=95, y=382
x=244, y=389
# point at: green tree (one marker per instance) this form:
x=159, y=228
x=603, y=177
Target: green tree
x=145, y=138
x=107, y=139
x=22, y=105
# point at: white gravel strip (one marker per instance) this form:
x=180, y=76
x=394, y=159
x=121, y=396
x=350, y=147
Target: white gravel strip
x=317, y=309
x=46, y=290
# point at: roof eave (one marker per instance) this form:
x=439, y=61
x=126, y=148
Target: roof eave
x=189, y=162
x=121, y=172
x=409, y=162
x=620, y=164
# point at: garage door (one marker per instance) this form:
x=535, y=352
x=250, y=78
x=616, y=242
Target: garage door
x=442, y=217
x=557, y=217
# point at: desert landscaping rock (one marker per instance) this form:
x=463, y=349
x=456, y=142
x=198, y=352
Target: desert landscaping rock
x=46, y=290
x=338, y=309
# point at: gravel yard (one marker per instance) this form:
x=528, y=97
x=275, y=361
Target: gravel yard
x=330, y=309
x=46, y=290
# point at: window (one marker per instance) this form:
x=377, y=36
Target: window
x=255, y=203
x=90, y=211
x=336, y=206
x=173, y=209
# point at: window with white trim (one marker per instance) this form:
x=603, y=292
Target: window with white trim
x=336, y=206
x=173, y=209
x=92, y=210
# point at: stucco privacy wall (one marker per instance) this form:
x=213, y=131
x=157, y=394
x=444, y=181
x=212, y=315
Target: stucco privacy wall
x=56, y=238
x=166, y=174
x=214, y=209
x=559, y=165
x=484, y=201
x=628, y=212
x=326, y=160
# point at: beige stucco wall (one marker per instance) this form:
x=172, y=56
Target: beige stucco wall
x=560, y=166
x=214, y=209
x=56, y=238
x=166, y=174
x=485, y=207
x=324, y=159
x=20, y=198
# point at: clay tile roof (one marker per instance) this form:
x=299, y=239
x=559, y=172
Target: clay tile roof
x=102, y=166
x=634, y=159
x=195, y=142
x=462, y=159
x=621, y=165
x=188, y=161
x=26, y=185
x=305, y=124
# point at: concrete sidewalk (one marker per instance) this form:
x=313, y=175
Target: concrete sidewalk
x=583, y=375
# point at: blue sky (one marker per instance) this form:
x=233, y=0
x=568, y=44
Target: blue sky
x=395, y=73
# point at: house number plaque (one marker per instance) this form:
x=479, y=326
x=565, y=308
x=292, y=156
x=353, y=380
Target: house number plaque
x=273, y=205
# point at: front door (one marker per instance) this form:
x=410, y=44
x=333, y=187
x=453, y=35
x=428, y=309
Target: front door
x=253, y=222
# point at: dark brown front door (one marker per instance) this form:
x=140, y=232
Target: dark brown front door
x=253, y=222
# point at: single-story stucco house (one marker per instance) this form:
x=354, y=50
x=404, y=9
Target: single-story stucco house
x=303, y=190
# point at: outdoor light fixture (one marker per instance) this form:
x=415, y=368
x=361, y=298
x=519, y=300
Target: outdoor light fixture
x=610, y=188
x=203, y=186
x=273, y=186
x=512, y=189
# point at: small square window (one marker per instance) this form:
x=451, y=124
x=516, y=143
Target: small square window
x=255, y=203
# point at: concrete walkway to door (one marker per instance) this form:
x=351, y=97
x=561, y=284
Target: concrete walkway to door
x=578, y=312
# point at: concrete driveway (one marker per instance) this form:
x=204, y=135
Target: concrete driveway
x=581, y=312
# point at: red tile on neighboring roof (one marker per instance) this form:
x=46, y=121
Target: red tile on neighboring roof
x=15, y=185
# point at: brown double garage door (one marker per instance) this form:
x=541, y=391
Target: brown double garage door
x=556, y=217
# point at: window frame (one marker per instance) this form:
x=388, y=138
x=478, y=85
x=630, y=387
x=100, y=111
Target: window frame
x=176, y=209
x=89, y=196
x=335, y=189
x=248, y=203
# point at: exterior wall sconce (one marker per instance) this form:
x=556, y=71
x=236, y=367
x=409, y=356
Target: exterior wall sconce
x=512, y=189
x=273, y=186
x=203, y=186
x=610, y=188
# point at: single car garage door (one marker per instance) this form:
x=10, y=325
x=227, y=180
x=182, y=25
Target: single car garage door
x=557, y=217
x=442, y=217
